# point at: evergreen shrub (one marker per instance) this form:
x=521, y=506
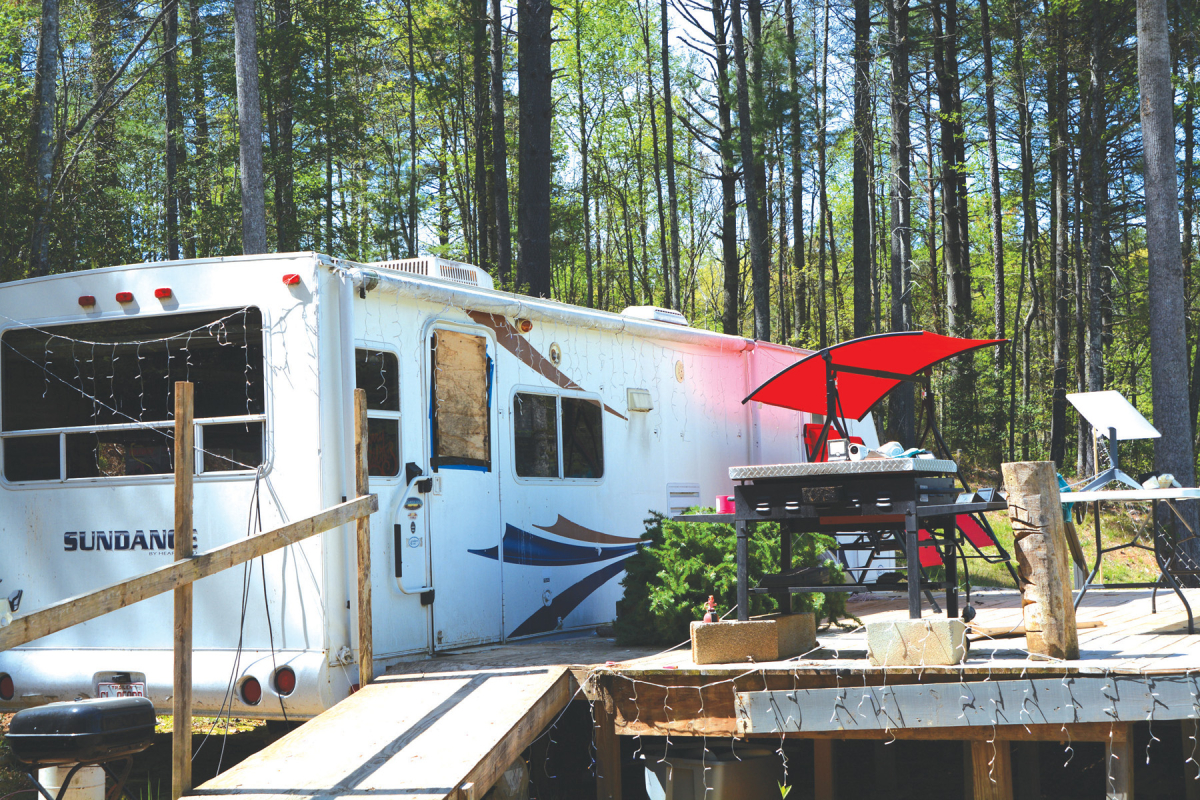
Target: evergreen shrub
x=668, y=581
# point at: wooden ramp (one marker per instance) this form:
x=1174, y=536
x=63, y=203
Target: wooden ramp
x=422, y=735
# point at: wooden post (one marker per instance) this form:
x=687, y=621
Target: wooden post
x=991, y=770
x=608, y=755
x=824, y=769
x=1043, y=558
x=181, y=721
x=1191, y=750
x=1118, y=780
x=366, y=654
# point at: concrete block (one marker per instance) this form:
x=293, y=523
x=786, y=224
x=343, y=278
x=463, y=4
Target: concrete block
x=936, y=641
x=769, y=638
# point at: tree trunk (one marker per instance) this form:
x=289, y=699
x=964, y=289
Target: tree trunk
x=583, y=153
x=500, y=153
x=197, y=31
x=1168, y=348
x=823, y=199
x=480, y=117
x=902, y=423
x=174, y=119
x=254, y=211
x=45, y=96
x=660, y=207
x=534, y=75
x=285, y=192
x=1057, y=110
x=109, y=232
x=669, y=131
x=760, y=272
x=862, y=149
x=799, y=279
x=730, y=258
x=998, y=319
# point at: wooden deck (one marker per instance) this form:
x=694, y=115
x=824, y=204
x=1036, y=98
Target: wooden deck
x=447, y=727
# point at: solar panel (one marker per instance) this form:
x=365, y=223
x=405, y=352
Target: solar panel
x=1110, y=409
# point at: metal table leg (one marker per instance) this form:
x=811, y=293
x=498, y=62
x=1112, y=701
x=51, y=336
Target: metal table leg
x=784, y=598
x=950, y=559
x=1099, y=554
x=913, y=553
x=743, y=573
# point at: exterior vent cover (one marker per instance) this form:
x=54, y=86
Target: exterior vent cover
x=439, y=269
x=657, y=314
x=682, y=496
x=639, y=400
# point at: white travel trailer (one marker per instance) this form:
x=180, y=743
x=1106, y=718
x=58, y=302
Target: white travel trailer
x=516, y=446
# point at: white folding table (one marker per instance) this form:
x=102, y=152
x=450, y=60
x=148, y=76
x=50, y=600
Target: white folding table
x=1164, y=560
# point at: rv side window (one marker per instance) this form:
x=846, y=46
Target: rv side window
x=96, y=399
x=583, y=445
x=545, y=426
x=461, y=395
x=535, y=433
x=378, y=373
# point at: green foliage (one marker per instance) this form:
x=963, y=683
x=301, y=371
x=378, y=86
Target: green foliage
x=668, y=582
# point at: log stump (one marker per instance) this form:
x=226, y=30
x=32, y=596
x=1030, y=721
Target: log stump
x=1043, y=558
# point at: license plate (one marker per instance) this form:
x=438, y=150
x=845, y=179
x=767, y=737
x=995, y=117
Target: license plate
x=120, y=690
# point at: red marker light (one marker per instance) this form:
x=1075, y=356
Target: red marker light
x=6, y=687
x=87, y=300
x=285, y=681
x=162, y=294
x=251, y=691
x=291, y=279
x=124, y=297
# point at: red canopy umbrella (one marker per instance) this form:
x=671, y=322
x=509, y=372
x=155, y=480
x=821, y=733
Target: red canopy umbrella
x=865, y=370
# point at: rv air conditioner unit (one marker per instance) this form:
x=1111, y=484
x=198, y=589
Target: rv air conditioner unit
x=439, y=269
x=657, y=314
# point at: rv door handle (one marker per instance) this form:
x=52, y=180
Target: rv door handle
x=425, y=485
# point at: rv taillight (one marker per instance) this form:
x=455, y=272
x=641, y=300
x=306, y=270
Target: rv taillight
x=124, y=297
x=285, y=681
x=6, y=687
x=87, y=300
x=291, y=280
x=163, y=293
x=251, y=691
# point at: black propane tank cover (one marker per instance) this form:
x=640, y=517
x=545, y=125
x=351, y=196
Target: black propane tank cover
x=82, y=732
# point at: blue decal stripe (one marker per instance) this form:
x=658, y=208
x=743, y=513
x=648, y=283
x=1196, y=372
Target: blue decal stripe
x=546, y=618
x=529, y=549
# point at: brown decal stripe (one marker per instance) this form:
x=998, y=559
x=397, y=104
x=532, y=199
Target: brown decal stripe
x=512, y=341
x=569, y=530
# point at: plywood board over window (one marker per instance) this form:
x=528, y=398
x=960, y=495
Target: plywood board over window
x=462, y=374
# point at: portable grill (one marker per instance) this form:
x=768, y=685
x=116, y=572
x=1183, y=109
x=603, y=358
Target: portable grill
x=82, y=733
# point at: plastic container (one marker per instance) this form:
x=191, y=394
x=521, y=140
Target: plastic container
x=86, y=784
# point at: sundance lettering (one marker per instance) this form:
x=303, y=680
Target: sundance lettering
x=150, y=541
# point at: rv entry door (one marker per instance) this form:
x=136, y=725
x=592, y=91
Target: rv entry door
x=465, y=529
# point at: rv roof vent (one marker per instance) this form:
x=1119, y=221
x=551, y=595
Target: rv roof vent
x=655, y=313
x=439, y=269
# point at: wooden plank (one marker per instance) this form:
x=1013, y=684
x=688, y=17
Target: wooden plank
x=1119, y=780
x=1053, y=701
x=181, y=696
x=991, y=770
x=539, y=716
x=1009, y=632
x=824, y=769
x=415, y=736
x=90, y=605
x=1043, y=563
x=608, y=755
x=366, y=650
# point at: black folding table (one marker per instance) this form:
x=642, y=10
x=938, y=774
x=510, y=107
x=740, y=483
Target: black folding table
x=887, y=501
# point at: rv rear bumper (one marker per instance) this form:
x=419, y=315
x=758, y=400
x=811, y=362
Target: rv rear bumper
x=48, y=675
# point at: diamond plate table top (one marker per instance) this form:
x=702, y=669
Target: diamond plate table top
x=874, y=466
